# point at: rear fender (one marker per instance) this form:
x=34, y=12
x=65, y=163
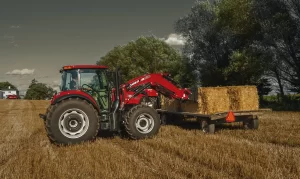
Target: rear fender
x=74, y=94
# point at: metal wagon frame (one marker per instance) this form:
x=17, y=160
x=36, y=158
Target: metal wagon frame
x=250, y=118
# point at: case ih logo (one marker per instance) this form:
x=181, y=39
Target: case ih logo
x=139, y=80
x=134, y=83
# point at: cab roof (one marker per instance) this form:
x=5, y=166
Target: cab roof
x=68, y=67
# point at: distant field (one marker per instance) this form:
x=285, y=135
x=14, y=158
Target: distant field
x=182, y=151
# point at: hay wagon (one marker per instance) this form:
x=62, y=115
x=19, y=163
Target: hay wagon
x=216, y=105
x=250, y=119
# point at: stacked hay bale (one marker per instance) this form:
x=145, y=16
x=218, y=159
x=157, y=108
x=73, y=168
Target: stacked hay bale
x=169, y=104
x=210, y=100
x=243, y=98
x=217, y=99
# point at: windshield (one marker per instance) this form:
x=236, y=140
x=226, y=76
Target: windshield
x=94, y=78
x=75, y=79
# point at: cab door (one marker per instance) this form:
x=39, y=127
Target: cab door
x=103, y=98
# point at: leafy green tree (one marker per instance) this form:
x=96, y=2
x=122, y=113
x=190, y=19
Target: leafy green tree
x=238, y=17
x=39, y=91
x=280, y=27
x=5, y=85
x=246, y=67
x=187, y=74
x=220, y=37
x=148, y=55
x=33, y=82
x=204, y=44
x=264, y=87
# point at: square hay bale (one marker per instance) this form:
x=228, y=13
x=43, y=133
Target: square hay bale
x=243, y=98
x=216, y=99
x=169, y=104
x=210, y=100
x=191, y=106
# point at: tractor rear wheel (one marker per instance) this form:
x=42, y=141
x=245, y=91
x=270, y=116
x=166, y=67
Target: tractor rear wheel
x=141, y=122
x=72, y=121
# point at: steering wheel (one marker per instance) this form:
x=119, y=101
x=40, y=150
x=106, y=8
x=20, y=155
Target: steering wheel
x=88, y=89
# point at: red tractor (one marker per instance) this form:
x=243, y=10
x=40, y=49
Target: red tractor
x=92, y=98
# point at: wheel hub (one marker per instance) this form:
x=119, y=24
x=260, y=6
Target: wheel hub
x=204, y=126
x=144, y=123
x=73, y=123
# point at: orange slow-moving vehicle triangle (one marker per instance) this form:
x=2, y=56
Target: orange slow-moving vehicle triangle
x=230, y=117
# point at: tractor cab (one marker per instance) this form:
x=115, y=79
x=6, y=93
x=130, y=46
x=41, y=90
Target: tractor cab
x=91, y=79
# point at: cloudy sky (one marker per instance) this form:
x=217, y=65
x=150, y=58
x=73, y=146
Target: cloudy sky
x=39, y=37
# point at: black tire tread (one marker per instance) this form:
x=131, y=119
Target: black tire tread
x=209, y=126
x=127, y=118
x=52, y=108
x=252, y=124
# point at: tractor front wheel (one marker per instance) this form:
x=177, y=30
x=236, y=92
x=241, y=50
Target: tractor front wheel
x=72, y=121
x=142, y=122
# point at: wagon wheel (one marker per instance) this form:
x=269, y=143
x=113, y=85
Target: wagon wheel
x=207, y=127
x=251, y=123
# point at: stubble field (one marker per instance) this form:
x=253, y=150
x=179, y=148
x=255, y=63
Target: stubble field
x=181, y=151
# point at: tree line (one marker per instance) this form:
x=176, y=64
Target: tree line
x=35, y=91
x=228, y=42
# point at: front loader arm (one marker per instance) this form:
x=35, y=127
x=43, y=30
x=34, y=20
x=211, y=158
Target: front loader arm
x=159, y=82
